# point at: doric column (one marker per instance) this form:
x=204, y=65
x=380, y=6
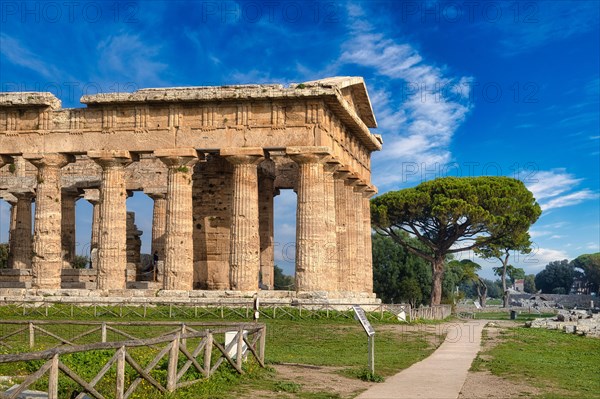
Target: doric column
x=47, y=260
x=341, y=213
x=68, y=228
x=331, y=253
x=12, y=225
x=368, y=282
x=266, y=192
x=93, y=197
x=351, y=267
x=112, y=256
x=20, y=238
x=359, y=257
x=311, y=266
x=179, y=262
x=244, y=260
x=159, y=223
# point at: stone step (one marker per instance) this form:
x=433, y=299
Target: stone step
x=144, y=285
x=83, y=285
x=15, y=284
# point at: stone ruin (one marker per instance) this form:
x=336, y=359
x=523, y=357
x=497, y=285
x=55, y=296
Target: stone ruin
x=212, y=159
x=579, y=322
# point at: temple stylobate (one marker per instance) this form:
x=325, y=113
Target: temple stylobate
x=212, y=159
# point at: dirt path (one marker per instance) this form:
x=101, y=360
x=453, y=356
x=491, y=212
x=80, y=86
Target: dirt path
x=483, y=384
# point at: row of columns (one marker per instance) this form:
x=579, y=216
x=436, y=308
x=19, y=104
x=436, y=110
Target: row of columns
x=333, y=250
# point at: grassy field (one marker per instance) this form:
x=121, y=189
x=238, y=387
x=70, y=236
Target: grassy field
x=560, y=365
x=317, y=341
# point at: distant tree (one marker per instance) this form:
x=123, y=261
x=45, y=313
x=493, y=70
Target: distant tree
x=494, y=288
x=3, y=255
x=589, y=267
x=466, y=270
x=392, y=265
x=519, y=242
x=410, y=291
x=529, y=284
x=282, y=281
x=514, y=274
x=80, y=262
x=557, y=277
x=453, y=214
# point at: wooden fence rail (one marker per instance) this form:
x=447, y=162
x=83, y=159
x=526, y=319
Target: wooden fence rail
x=174, y=345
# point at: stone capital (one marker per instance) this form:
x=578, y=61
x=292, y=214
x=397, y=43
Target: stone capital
x=243, y=155
x=267, y=169
x=111, y=158
x=370, y=191
x=24, y=195
x=177, y=157
x=360, y=187
x=308, y=154
x=41, y=160
x=156, y=195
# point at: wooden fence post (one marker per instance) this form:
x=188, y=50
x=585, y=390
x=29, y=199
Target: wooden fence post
x=172, y=367
x=103, y=332
x=120, y=386
x=263, y=338
x=240, y=341
x=183, y=331
x=53, y=379
x=31, y=335
x=208, y=353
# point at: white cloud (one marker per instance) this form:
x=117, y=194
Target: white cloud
x=419, y=120
x=552, y=189
x=18, y=54
x=128, y=56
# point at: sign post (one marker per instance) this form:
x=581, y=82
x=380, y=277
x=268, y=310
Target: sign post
x=359, y=314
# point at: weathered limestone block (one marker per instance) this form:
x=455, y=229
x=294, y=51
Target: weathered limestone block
x=21, y=244
x=311, y=266
x=47, y=259
x=245, y=239
x=266, y=192
x=112, y=242
x=179, y=262
x=212, y=202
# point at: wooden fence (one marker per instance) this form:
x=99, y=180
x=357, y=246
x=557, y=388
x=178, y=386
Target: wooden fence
x=176, y=344
x=243, y=309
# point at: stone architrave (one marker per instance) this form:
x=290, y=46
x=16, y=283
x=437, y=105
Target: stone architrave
x=311, y=234
x=245, y=238
x=179, y=263
x=266, y=192
x=159, y=223
x=112, y=240
x=46, y=263
x=68, y=228
x=21, y=238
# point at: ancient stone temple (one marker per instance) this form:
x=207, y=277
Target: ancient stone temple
x=212, y=159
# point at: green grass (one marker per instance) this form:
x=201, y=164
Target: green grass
x=321, y=342
x=560, y=365
x=505, y=315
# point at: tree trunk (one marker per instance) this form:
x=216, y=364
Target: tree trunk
x=481, y=292
x=504, y=290
x=438, y=274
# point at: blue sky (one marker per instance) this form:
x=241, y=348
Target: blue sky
x=458, y=88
